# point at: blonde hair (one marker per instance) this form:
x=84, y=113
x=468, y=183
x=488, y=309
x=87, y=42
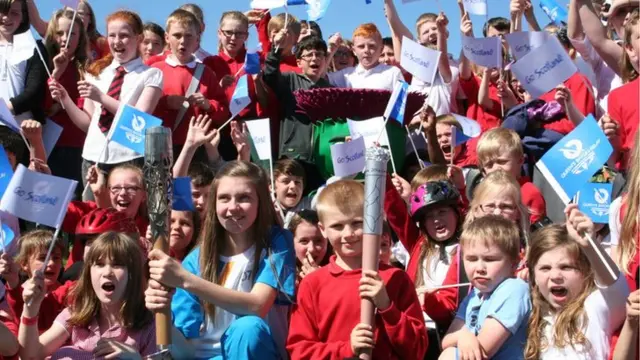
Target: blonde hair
x=567, y=328
x=434, y=172
x=423, y=19
x=35, y=241
x=628, y=246
x=493, y=230
x=448, y=119
x=277, y=23
x=629, y=73
x=213, y=236
x=496, y=142
x=346, y=196
x=122, y=250
x=503, y=183
x=184, y=18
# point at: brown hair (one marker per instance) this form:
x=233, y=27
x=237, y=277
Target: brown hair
x=567, y=329
x=628, y=245
x=288, y=167
x=196, y=11
x=129, y=166
x=493, y=230
x=122, y=250
x=184, y=18
x=133, y=20
x=448, y=119
x=434, y=172
x=80, y=56
x=496, y=142
x=629, y=73
x=35, y=241
x=346, y=196
x=92, y=28
x=213, y=236
x=277, y=23
x=423, y=19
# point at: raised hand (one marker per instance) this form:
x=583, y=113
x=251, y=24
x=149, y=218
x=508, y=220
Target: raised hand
x=578, y=225
x=89, y=91
x=200, y=131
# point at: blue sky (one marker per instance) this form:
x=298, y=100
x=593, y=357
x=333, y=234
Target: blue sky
x=343, y=15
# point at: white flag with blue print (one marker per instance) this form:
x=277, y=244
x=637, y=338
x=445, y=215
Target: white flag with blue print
x=485, y=52
x=572, y=161
x=419, y=60
x=544, y=68
x=475, y=7
x=37, y=197
x=522, y=42
x=6, y=171
x=554, y=11
x=129, y=127
x=260, y=132
x=240, y=98
x=397, y=102
x=594, y=200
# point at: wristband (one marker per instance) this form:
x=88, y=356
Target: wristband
x=29, y=321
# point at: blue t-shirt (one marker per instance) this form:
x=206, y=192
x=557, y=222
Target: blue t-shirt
x=509, y=304
x=276, y=269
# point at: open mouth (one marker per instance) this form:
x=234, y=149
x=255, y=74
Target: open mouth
x=446, y=149
x=50, y=274
x=108, y=287
x=291, y=196
x=559, y=292
x=440, y=229
x=314, y=66
x=122, y=205
x=119, y=51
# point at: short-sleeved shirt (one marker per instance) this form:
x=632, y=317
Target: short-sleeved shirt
x=138, y=77
x=84, y=340
x=381, y=77
x=13, y=75
x=276, y=269
x=510, y=305
x=441, y=96
x=605, y=311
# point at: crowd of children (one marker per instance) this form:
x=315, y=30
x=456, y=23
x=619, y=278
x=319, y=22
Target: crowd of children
x=474, y=261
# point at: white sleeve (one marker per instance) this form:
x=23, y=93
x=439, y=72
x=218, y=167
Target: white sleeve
x=337, y=78
x=153, y=77
x=589, y=54
x=614, y=221
x=606, y=307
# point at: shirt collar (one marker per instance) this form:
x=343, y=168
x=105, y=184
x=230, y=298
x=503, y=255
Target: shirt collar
x=239, y=57
x=173, y=63
x=129, y=66
x=360, y=70
x=336, y=270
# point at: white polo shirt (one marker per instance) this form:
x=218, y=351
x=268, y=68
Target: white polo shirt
x=138, y=77
x=381, y=77
x=441, y=96
x=13, y=75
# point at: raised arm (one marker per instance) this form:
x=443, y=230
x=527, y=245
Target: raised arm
x=516, y=8
x=443, y=65
x=466, y=27
x=574, y=25
x=608, y=49
x=199, y=133
x=483, y=92
x=397, y=27
x=271, y=73
x=35, y=20
x=531, y=16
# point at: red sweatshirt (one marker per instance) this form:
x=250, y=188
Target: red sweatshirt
x=403, y=225
x=54, y=302
x=71, y=135
x=223, y=65
x=176, y=82
x=288, y=62
x=468, y=155
x=488, y=119
x=532, y=198
x=582, y=97
x=158, y=58
x=75, y=211
x=328, y=309
x=623, y=108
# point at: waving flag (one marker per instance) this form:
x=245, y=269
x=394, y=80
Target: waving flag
x=70, y=3
x=6, y=117
x=130, y=125
x=554, y=11
x=6, y=172
x=240, y=98
x=6, y=236
x=397, y=102
x=475, y=7
x=37, y=197
x=252, y=63
x=485, y=52
x=317, y=9
x=182, y=199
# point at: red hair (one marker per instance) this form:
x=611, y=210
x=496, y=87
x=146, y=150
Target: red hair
x=132, y=19
x=368, y=30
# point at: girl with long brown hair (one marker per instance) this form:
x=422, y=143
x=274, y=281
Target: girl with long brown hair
x=578, y=296
x=234, y=289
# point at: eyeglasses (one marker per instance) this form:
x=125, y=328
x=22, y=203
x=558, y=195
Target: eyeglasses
x=317, y=55
x=237, y=34
x=506, y=209
x=342, y=53
x=130, y=190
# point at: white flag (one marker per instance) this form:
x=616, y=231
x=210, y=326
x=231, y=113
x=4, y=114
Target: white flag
x=37, y=197
x=260, y=133
x=475, y=7
x=419, y=60
x=485, y=52
x=521, y=43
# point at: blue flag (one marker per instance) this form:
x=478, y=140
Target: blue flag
x=182, y=200
x=6, y=118
x=240, y=98
x=554, y=11
x=571, y=162
x=129, y=127
x=317, y=9
x=7, y=236
x=6, y=171
x=594, y=200
x=398, y=102
x=295, y=2
x=252, y=63
x=459, y=136
x=37, y=197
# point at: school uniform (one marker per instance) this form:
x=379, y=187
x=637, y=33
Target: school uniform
x=441, y=96
x=579, y=86
x=200, y=55
x=66, y=158
x=509, y=304
x=328, y=309
x=137, y=77
x=532, y=198
x=177, y=78
x=380, y=77
x=23, y=82
x=487, y=119
x=228, y=335
x=623, y=108
x=288, y=63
